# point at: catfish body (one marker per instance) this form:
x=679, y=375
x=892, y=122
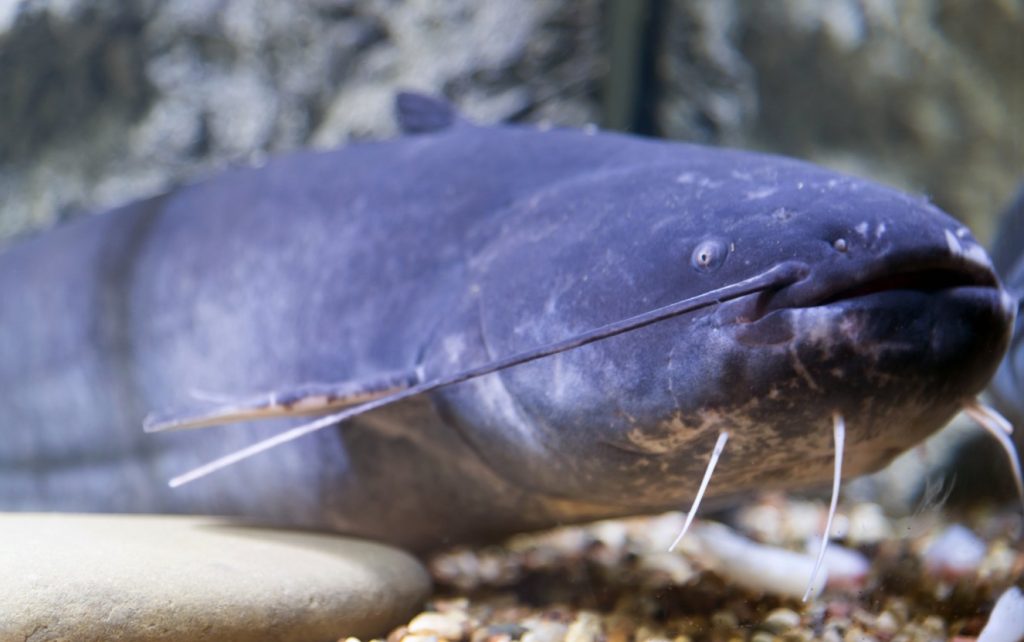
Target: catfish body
x=413, y=258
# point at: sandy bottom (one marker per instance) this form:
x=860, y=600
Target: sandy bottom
x=932, y=576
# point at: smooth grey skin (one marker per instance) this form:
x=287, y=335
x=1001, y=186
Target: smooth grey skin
x=1008, y=258
x=445, y=249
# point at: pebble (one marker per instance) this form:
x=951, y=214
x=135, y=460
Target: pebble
x=662, y=568
x=587, y=627
x=847, y=568
x=563, y=585
x=1006, y=622
x=724, y=621
x=544, y=631
x=998, y=563
x=781, y=620
x=448, y=626
x=140, y=578
x=956, y=552
x=759, y=568
x=774, y=521
x=868, y=525
x=887, y=624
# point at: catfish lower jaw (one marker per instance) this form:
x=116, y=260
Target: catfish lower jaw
x=891, y=344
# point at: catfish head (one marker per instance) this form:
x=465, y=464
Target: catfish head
x=893, y=318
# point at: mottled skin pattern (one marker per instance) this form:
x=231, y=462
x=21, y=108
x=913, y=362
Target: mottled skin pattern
x=435, y=252
x=1008, y=258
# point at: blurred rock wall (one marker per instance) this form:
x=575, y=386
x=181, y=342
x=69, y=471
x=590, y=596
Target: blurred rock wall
x=103, y=101
x=106, y=100
x=924, y=94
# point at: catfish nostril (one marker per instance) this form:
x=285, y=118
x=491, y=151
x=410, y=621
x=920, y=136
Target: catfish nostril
x=840, y=245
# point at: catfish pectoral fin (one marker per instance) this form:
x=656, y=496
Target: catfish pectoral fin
x=303, y=399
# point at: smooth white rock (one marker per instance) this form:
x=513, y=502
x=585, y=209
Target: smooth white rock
x=955, y=552
x=1006, y=623
x=119, y=577
x=758, y=567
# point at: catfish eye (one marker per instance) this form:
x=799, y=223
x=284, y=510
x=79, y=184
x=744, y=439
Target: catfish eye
x=708, y=255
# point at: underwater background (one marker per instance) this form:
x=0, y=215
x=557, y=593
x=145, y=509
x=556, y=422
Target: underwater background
x=103, y=102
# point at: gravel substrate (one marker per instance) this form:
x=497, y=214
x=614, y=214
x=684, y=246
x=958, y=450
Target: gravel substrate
x=933, y=576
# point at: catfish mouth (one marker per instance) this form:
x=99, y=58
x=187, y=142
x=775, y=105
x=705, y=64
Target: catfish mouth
x=829, y=287
x=926, y=281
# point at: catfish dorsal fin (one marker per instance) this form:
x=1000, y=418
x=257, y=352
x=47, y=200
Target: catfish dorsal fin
x=422, y=114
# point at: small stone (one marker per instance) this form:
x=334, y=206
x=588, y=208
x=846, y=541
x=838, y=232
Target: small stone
x=693, y=626
x=868, y=525
x=1006, y=622
x=781, y=620
x=763, y=521
x=461, y=568
x=544, y=631
x=612, y=533
x=899, y=608
x=998, y=564
x=886, y=623
x=762, y=636
x=934, y=624
x=864, y=617
x=724, y=621
x=754, y=566
x=586, y=627
x=122, y=577
x=646, y=634
x=662, y=568
x=448, y=626
x=455, y=605
x=956, y=552
x=857, y=634
x=509, y=630
x=620, y=628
